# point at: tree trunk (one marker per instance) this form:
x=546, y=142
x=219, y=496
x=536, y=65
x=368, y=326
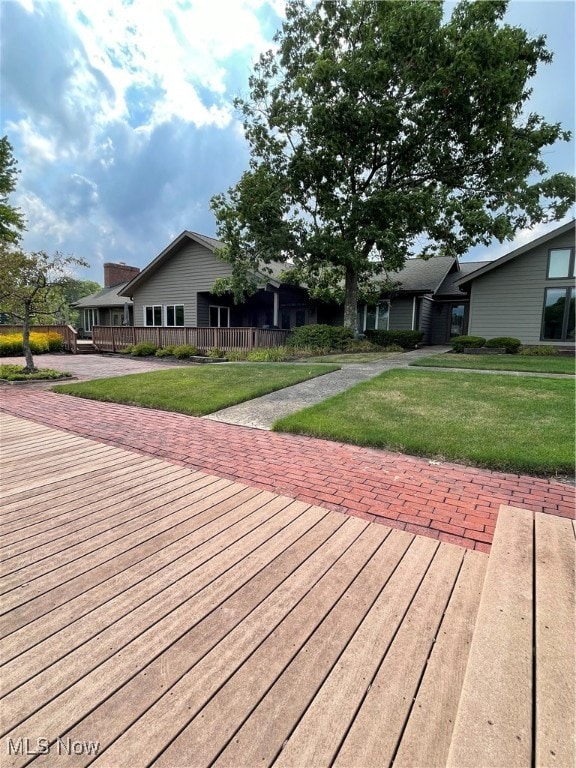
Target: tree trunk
x=30, y=367
x=351, y=299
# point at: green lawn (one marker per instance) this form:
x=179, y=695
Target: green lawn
x=501, y=422
x=533, y=364
x=196, y=390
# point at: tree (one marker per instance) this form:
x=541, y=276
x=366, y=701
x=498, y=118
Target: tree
x=28, y=282
x=378, y=131
x=11, y=220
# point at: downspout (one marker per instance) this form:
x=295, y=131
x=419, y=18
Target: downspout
x=414, y=314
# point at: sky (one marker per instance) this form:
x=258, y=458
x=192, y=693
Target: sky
x=121, y=117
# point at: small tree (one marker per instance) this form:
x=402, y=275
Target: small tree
x=11, y=220
x=378, y=130
x=29, y=283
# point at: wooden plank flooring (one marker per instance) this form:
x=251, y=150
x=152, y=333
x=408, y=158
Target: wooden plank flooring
x=177, y=619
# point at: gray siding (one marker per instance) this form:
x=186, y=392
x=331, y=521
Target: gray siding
x=508, y=301
x=425, y=307
x=178, y=281
x=401, y=314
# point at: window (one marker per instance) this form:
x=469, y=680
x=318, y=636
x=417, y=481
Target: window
x=153, y=315
x=456, y=320
x=90, y=318
x=175, y=314
x=558, y=315
x=219, y=317
x=300, y=318
x=374, y=317
x=560, y=263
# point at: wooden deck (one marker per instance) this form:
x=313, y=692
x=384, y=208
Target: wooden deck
x=152, y=615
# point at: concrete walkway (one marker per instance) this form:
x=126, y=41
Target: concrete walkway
x=262, y=412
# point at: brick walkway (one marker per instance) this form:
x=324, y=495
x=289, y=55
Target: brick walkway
x=446, y=501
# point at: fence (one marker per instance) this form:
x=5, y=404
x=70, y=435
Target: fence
x=68, y=333
x=115, y=338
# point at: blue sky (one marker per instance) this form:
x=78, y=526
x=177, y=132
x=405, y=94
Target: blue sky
x=120, y=114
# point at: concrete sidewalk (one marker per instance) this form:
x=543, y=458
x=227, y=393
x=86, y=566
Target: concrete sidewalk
x=262, y=412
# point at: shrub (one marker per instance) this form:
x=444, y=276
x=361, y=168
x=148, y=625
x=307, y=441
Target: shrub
x=320, y=336
x=541, y=350
x=309, y=351
x=459, y=343
x=405, y=339
x=55, y=342
x=165, y=352
x=510, y=344
x=183, y=351
x=270, y=355
x=237, y=355
x=143, y=349
x=11, y=343
x=363, y=345
x=215, y=352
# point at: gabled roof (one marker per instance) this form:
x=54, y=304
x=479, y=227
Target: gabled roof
x=209, y=242
x=488, y=266
x=422, y=275
x=107, y=297
x=449, y=286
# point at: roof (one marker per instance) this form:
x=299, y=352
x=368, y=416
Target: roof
x=107, y=297
x=449, y=286
x=423, y=275
x=209, y=242
x=490, y=265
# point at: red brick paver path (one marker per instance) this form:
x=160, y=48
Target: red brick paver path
x=445, y=501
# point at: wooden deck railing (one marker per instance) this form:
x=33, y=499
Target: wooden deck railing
x=68, y=333
x=114, y=338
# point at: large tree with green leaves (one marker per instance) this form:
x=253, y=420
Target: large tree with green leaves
x=11, y=220
x=30, y=288
x=380, y=130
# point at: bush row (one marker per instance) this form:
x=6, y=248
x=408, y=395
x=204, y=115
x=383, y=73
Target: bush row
x=404, y=339
x=11, y=343
x=511, y=345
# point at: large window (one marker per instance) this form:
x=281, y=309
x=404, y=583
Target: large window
x=558, y=315
x=219, y=317
x=175, y=314
x=153, y=315
x=374, y=317
x=560, y=263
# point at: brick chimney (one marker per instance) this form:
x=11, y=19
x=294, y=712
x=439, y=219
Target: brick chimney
x=114, y=274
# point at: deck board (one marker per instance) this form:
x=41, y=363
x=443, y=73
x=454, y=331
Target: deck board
x=182, y=619
x=555, y=642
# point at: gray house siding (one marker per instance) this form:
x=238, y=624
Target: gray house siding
x=508, y=301
x=179, y=280
x=425, y=309
x=401, y=314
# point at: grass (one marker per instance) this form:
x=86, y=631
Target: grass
x=16, y=373
x=198, y=390
x=552, y=364
x=350, y=357
x=500, y=422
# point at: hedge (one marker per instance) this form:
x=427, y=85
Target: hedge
x=404, y=339
x=11, y=343
x=510, y=344
x=320, y=336
x=459, y=343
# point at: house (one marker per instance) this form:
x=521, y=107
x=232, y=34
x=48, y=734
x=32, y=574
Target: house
x=175, y=289
x=528, y=293
x=108, y=306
